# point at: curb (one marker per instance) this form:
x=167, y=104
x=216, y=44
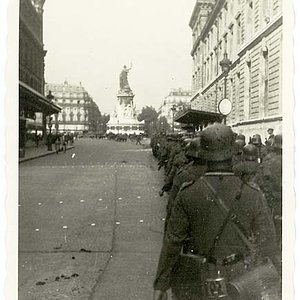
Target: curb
x=41, y=155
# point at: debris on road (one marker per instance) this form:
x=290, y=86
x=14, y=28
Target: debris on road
x=84, y=250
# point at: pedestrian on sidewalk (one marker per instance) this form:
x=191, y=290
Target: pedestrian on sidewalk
x=138, y=140
x=57, y=145
x=37, y=140
x=64, y=143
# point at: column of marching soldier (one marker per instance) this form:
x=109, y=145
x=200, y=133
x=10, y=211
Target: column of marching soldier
x=222, y=236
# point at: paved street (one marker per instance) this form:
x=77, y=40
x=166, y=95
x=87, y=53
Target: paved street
x=90, y=223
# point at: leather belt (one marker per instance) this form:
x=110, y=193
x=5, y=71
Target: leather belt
x=227, y=261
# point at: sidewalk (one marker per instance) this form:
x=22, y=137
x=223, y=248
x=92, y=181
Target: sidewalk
x=37, y=152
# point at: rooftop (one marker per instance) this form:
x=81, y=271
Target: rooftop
x=64, y=87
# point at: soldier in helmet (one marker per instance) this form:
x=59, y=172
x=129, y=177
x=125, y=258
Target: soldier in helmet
x=271, y=133
x=163, y=152
x=189, y=172
x=247, y=168
x=269, y=179
x=175, y=162
x=177, y=148
x=178, y=161
x=154, y=144
x=201, y=243
x=239, y=143
x=262, y=151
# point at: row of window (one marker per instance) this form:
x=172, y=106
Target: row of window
x=66, y=94
x=73, y=109
x=59, y=100
x=71, y=118
x=260, y=97
x=228, y=36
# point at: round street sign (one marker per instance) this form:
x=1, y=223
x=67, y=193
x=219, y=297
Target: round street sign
x=225, y=106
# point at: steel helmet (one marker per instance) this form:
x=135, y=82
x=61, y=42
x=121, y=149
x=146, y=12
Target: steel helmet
x=250, y=152
x=193, y=148
x=217, y=143
x=256, y=139
x=277, y=142
x=239, y=144
x=241, y=137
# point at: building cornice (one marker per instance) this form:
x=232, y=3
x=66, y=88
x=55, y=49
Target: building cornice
x=194, y=16
x=210, y=21
x=257, y=121
x=212, y=17
x=195, y=45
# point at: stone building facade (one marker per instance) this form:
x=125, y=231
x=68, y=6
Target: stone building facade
x=179, y=98
x=79, y=113
x=34, y=107
x=250, y=33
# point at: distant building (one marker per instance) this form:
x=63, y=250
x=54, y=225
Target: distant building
x=250, y=33
x=34, y=107
x=79, y=113
x=177, y=99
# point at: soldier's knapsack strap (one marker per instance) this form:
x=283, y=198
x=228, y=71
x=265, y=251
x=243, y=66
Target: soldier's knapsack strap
x=229, y=216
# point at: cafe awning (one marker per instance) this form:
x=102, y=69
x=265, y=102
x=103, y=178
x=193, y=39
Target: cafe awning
x=33, y=101
x=198, y=117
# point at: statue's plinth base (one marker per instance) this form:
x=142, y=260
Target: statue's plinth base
x=125, y=126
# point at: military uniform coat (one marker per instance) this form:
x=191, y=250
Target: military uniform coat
x=194, y=223
x=188, y=173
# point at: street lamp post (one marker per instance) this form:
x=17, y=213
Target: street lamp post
x=225, y=64
x=173, y=115
x=49, y=135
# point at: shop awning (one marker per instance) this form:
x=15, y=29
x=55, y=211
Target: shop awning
x=31, y=100
x=198, y=117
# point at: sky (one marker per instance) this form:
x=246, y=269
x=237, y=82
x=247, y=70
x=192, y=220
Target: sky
x=90, y=41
